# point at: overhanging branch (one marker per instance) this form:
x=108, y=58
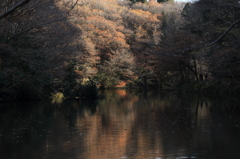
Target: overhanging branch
x=186, y=50
x=13, y=8
x=225, y=33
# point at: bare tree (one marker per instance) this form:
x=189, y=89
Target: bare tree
x=35, y=47
x=13, y=8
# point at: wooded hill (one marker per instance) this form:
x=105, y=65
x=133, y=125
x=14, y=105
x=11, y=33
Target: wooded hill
x=71, y=46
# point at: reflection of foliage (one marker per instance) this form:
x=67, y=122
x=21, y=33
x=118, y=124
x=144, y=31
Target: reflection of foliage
x=126, y=119
x=32, y=124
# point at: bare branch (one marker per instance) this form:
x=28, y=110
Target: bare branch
x=73, y=6
x=187, y=50
x=12, y=9
x=225, y=33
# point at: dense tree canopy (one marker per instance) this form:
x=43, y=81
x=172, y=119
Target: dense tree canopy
x=211, y=46
x=60, y=45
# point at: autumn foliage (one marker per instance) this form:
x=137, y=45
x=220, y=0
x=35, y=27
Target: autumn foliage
x=114, y=39
x=51, y=46
x=57, y=45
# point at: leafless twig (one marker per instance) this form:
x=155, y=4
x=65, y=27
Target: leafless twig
x=13, y=8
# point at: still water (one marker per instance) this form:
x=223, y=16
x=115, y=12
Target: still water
x=125, y=124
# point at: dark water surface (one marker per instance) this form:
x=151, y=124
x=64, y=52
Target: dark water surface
x=126, y=124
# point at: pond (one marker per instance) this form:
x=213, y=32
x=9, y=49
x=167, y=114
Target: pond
x=125, y=124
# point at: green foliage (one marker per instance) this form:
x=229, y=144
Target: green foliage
x=57, y=97
x=105, y=80
x=78, y=88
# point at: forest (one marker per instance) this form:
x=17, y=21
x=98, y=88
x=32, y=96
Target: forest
x=76, y=47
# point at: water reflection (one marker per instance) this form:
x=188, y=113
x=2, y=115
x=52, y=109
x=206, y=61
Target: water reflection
x=126, y=124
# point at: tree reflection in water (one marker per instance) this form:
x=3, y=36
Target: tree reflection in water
x=125, y=124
